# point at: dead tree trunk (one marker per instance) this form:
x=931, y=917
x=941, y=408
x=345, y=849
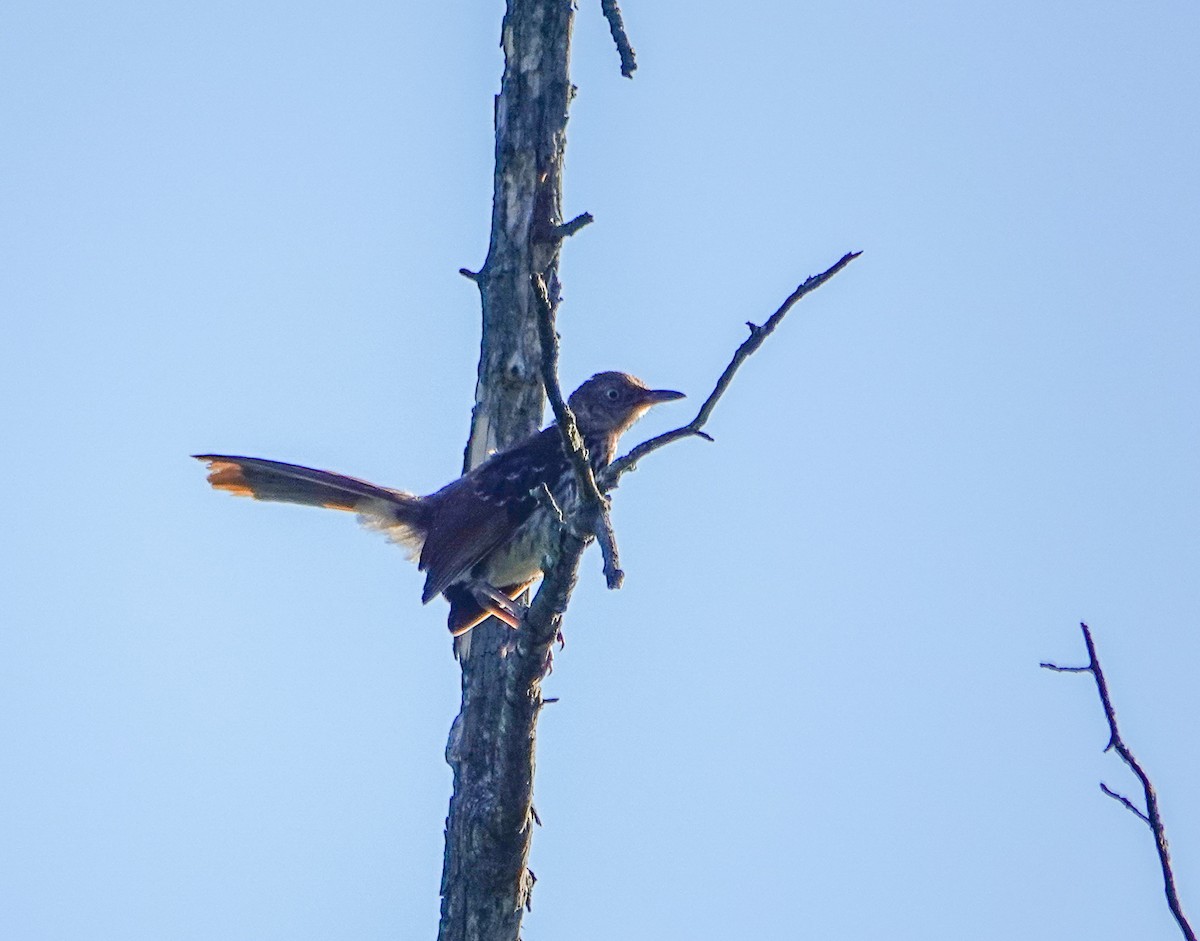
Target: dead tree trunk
x=485, y=879
x=486, y=882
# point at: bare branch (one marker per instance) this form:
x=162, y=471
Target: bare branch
x=592, y=512
x=591, y=517
x=1129, y=805
x=758, y=335
x=614, y=576
x=1152, y=818
x=616, y=26
x=567, y=229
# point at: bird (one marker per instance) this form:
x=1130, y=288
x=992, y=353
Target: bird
x=481, y=538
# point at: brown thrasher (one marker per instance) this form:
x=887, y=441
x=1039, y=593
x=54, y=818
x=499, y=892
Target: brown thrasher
x=482, y=537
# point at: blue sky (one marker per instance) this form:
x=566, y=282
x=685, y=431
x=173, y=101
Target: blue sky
x=815, y=708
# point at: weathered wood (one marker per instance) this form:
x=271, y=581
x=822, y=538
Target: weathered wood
x=531, y=120
x=485, y=877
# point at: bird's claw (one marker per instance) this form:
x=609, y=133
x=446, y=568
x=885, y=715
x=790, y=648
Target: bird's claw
x=498, y=604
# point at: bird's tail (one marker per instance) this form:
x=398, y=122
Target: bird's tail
x=402, y=516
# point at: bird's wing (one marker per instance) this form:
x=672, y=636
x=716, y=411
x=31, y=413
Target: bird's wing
x=481, y=510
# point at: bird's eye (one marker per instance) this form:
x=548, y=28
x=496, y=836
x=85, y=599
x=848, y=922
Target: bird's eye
x=613, y=395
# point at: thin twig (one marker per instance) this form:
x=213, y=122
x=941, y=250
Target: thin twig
x=614, y=575
x=758, y=335
x=592, y=510
x=543, y=496
x=1152, y=818
x=1122, y=799
x=616, y=26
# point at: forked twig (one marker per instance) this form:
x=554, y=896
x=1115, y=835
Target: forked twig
x=1151, y=817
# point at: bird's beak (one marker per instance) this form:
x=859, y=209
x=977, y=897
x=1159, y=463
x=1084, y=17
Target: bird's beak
x=655, y=396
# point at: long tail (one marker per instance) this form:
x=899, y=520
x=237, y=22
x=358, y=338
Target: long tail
x=401, y=515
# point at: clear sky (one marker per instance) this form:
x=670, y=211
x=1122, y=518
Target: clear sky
x=815, y=708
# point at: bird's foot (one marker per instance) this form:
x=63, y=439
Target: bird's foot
x=497, y=603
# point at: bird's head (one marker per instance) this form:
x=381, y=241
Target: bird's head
x=609, y=402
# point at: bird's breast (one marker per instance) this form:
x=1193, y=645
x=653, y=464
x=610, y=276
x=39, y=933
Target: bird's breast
x=519, y=559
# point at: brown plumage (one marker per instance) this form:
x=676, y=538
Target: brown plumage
x=483, y=534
